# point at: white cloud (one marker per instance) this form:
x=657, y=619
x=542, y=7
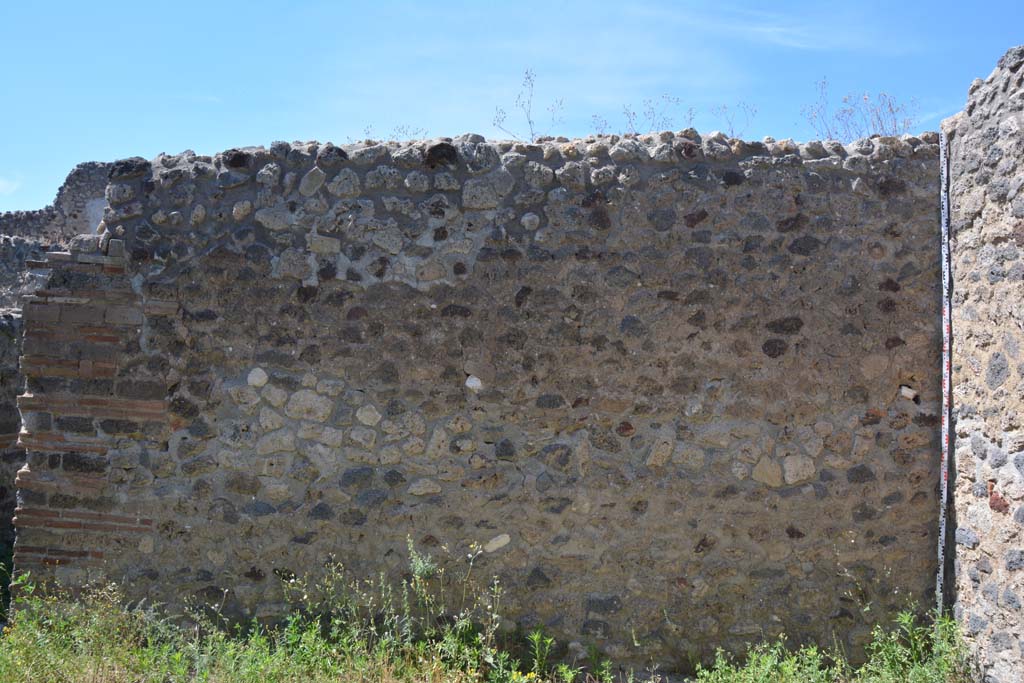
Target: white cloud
x=9, y=186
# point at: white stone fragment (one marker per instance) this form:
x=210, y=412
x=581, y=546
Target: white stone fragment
x=368, y=415
x=530, y=221
x=257, y=377
x=473, y=383
x=497, y=543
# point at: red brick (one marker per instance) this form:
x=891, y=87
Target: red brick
x=21, y=522
x=29, y=549
x=77, y=562
x=63, y=552
x=66, y=333
x=98, y=329
x=93, y=406
x=36, y=512
x=115, y=528
x=100, y=517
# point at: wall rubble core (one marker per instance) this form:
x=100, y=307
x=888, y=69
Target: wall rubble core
x=682, y=391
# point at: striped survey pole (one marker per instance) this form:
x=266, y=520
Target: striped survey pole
x=947, y=366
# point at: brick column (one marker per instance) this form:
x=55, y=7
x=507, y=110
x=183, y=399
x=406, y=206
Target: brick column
x=87, y=396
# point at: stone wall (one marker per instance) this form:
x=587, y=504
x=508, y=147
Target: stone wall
x=680, y=392
x=12, y=456
x=77, y=209
x=986, y=143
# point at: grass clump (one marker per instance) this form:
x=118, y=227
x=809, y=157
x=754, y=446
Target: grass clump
x=907, y=652
x=348, y=630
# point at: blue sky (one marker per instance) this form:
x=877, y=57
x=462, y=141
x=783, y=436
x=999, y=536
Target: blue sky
x=102, y=80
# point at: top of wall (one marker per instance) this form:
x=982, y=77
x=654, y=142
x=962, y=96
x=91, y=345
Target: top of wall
x=77, y=208
x=385, y=196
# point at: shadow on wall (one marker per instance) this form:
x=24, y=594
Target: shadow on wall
x=11, y=456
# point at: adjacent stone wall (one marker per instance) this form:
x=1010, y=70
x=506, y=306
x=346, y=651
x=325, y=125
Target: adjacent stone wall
x=986, y=155
x=77, y=209
x=682, y=393
x=17, y=278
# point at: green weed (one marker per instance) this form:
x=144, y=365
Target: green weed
x=345, y=629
